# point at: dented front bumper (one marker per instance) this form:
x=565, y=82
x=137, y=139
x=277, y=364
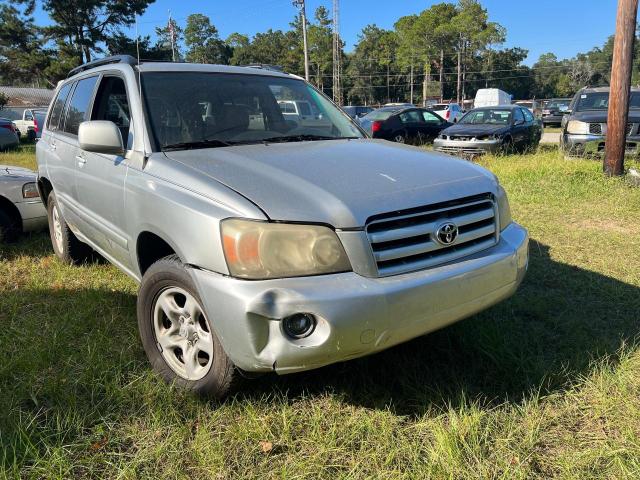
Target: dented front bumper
x=356, y=315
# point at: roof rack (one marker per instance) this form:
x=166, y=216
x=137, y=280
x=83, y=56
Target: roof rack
x=265, y=66
x=128, y=59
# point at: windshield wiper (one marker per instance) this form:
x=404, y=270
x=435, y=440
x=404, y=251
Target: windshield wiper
x=302, y=138
x=212, y=143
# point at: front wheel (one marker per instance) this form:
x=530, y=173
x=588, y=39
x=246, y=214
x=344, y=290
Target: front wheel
x=8, y=228
x=176, y=331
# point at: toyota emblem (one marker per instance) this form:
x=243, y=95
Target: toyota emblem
x=447, y=233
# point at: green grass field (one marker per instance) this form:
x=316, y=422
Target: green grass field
x=544, y=385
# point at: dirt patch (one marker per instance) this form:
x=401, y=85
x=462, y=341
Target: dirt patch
x=604, y=225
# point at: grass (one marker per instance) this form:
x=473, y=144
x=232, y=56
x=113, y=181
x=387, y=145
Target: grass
x=546, y=384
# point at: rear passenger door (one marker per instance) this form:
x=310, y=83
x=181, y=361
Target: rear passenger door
x=66, y=147
x=100, y=176
x=431, y=126
x=412, y=124
x=520, y=131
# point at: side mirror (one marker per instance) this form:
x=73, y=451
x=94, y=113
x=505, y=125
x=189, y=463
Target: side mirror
x=100, y=136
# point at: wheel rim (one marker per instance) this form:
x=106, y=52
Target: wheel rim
x=182, y=333
x=57, y=228
x=399, y=139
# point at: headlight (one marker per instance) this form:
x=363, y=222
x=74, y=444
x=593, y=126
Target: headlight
x=504, y=211
x=575, y=126
x=259, y=250
x=30, y=190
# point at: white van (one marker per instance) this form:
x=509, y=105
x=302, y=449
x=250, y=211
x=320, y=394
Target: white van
x=491, y=97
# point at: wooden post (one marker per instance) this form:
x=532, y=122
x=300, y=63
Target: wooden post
x=620, y=85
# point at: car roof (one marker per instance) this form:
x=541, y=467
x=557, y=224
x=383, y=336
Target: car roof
x=603, y=89
x=499, y=107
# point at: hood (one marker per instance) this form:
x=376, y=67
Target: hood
x=337, y=182
x=598, y=116
x=9, y=171
x=474, y=130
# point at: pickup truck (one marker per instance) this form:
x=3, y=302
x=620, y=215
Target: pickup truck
x=265, y=246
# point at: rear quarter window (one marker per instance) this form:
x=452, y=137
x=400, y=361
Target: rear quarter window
x=58, y=107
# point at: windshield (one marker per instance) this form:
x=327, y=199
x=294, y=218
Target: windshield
x=487, y=117
x=188, y=108
x=558, y=104
x=600, y=101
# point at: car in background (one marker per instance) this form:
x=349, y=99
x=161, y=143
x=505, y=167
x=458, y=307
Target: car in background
x=357, y=111
x=23, y=119
x=507, y=128
x=584, y=127
x=8, y=134
x=398, y=104
x=39, y=117
x=534, y=106
x=554, y=110
x=404, y=125
x=451, y=112
x=21, y=209
x=302, y=113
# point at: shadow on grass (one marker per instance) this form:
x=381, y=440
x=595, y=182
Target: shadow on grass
x=541, y=340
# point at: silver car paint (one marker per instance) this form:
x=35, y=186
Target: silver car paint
x=182, y=197
x=32, y=212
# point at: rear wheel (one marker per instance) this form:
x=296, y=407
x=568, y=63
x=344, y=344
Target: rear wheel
x=399, y=137
x=176, y=332
x=8, y=228
x=65, y=244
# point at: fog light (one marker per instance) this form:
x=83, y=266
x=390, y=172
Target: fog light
x=299, y=325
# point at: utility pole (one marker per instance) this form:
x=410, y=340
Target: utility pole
x=337, y=53
x=620, y=85
x=172, y=34
x=300, y=4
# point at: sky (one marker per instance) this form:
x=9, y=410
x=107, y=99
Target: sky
x=563, y=27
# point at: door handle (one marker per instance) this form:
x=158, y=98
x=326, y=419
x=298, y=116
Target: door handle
x=81, y=160
x=53, y=147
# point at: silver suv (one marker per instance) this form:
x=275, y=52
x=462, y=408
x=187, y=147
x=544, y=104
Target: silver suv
x=262, y=244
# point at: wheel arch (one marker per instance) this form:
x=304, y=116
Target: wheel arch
x=9, y=208
x=44, y=189
x=151, y=247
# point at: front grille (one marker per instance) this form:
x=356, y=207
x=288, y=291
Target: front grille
x=469, y=150
x=464, y=138
x=406, y=241
x=595, y=129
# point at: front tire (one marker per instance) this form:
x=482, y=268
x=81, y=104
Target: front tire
x=66, y=245
x=176, y=333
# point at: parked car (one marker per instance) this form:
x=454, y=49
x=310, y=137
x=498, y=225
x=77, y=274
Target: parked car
x=451, y=112
x=534, y=106
x=404, y=125
x=272, y=248
x=21, y=209
x=39, y=117
x=357, y=111
x=584, y=127
x=23, y=119
x=509, y=128
x=8, y=134
x=491, y=97
x=553, y=111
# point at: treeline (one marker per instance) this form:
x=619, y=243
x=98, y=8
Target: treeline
x=446, y=51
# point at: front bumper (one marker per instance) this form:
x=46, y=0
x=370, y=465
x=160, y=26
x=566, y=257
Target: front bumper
x=552, y=119
x=34, y=215
x=467, y=147
x=594, y=145
x=356, y=315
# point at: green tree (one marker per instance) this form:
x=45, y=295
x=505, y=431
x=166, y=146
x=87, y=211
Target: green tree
x=24, y=57
x=203, y=41
x=169, y=46
x=320, y=41
x=87, y=24
x=3, y=100
x=239, y=46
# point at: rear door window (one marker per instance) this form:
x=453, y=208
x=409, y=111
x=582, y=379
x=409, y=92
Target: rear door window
x=517, y=115
x=431, y=118
x=412, y=116
x=58, y=107
x=528, y=116
x=79, y=105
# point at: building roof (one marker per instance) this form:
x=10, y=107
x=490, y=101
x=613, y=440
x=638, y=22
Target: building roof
x=27, y=96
